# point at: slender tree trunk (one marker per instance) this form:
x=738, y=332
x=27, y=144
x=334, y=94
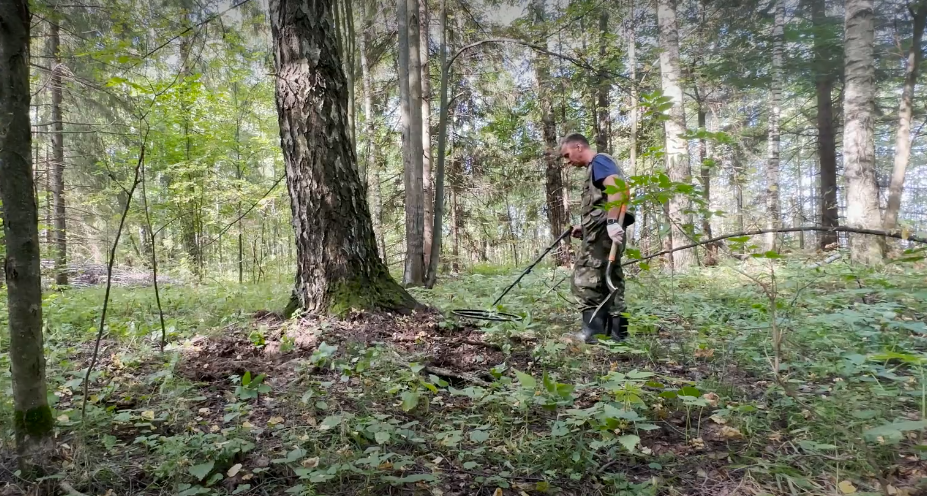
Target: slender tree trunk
x=711, y=251
x=438, y=217
x=773, y=207
x=677, y=163
x=427, y=184
x=632, y=67
x=32, y=418
x=905, y=113
x=57, y=165
x=370, y=150
x=827, y=142
x=414, y=273
x=603, y=122
x=553, y=180
x=858, y=132
x=337, y=264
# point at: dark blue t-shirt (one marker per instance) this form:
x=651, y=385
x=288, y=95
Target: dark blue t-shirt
x=603, y=167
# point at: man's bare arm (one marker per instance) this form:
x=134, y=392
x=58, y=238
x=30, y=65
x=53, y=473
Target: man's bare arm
x=622, y=196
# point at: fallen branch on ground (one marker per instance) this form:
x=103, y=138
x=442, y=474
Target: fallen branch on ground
x=873, y=232
x=438, y=371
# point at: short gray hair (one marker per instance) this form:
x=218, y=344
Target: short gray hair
x=575, y=138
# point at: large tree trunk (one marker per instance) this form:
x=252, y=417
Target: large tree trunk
x=677, y=159
x=32, y=419
x=858, y=132
x=603, y=122
x=773, y=208
x=56, y=171
x=414, y=273
x=337, y=263
x=427, y=184
x=905, y=113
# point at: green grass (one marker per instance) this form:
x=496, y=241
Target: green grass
x=689, y=405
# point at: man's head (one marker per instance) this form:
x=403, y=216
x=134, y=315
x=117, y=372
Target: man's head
x=574, y=148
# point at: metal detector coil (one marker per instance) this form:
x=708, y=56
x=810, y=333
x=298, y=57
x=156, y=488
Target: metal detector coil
x=487, y=315
x=502, y=316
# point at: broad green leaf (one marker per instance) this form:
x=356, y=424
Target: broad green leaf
x=478, y=436
x=526, y=380
x=893, y=431
x=330, y=422
x=629, y=441
x=409, y=400
x=202, y=470
x=381, y=437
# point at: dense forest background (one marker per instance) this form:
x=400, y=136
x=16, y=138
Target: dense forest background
x=169, y=167
x=194, y=82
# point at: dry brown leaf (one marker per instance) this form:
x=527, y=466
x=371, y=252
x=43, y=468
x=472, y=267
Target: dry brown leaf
x=233, y=470
x=704, y=353
x=712, y=398
x=846, y=487
x=718, y=419
x=731, y=433
x=497, y=492
x=275, y=421
x=310, y=462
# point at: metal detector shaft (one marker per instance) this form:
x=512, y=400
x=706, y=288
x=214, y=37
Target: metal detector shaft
x=523, y=274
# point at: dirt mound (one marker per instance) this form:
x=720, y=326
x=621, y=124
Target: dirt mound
x=449, y=350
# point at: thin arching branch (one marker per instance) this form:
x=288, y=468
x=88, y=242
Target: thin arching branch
x=873, y=232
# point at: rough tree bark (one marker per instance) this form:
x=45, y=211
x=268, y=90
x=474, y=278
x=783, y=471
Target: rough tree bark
x=414, y=272
x=827, y=142
x=337, y=263
x=56, y=171
x=556, y=216
x=427, y=184
x=33, y=422
x=905, y=113
x=858, y=132
x=677, y=163
x=773, y=207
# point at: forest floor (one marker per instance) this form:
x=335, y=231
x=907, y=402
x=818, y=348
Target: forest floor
x=243, y=402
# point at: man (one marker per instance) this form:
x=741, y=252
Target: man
x=598, y=230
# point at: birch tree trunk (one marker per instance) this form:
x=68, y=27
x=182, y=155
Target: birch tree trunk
x=858, y=132
x=905, y=113
x=827, y=142
x=337, y=264
x=677, y=163
x=773, y=208
x=32, y=419
x=427, y=184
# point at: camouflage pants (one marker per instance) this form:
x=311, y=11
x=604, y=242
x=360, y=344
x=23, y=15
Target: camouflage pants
x=589, y=285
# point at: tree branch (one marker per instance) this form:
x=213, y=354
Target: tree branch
x=109, y=275
x=873, y=232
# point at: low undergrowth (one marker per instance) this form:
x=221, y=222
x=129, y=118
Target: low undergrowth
x=762, y=377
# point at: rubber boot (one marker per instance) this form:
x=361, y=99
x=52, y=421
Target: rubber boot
x=593, y=325
x=617, y=327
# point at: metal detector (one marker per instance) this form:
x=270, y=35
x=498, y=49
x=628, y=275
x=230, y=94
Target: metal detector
x=495, y=316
